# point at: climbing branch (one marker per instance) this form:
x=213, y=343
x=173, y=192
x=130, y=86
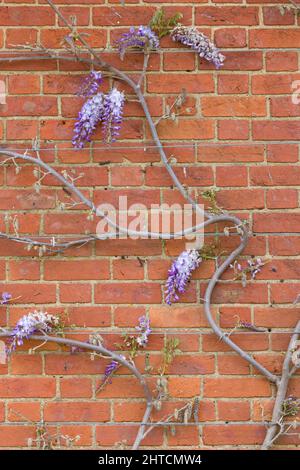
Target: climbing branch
x=276, y=429
x=107, y=353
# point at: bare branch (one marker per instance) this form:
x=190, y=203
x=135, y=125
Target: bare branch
x=272, y=433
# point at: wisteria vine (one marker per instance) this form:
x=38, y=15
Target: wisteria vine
x=107, y=109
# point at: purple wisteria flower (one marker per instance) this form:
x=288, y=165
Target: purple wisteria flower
x=142, y=37
x=180, y=274
x=90, y=85
x=255, y=266
x=191, y=37
x=89, y=117
x=6, y=296
x=30, y=324
x=112, y=114
x=144, y=329
x=109, y=370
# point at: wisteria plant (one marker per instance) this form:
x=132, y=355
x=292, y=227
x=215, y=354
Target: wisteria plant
x=105, y=109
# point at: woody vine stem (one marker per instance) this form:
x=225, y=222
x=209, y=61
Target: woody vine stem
x=94, y=60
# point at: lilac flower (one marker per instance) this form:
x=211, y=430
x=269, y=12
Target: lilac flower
x=142, y=37
x=30, y=324
x=90, y=85
x=200, y=43
x=6, y=296
x=108, y=373
x=112, y=114
x=90, y=115
x=109, y=370
x=255, y=266
x=180, y=274
x=144, y=329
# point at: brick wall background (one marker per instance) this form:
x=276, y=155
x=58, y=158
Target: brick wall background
x=245, y=129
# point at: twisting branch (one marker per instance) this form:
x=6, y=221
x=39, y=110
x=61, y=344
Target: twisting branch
x=106, y=352
x=275, y=429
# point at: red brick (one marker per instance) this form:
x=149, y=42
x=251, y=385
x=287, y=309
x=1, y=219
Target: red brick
x=22, y=364
x=284, y=107
x=76, y=270
x=79, y=411
x=273, y=222
x=278, y=175
x=23, y=84
x=11, y=436
x=237, y=83
x=236, y=388
x=234, y=410
x=274, y=38
x=29, y=106
x=126, y=293
x=243, y=60
x=273, y=84
x=75, y=387
x=278, y=153
x=26, y=16
x=131, y=176
x=276, y=130
x=277, y=16
x=231, y=176
x=109, y=435
x=230, y=37
x=233, y=106
x=282, y=198
x=24, y=411
x=277, y=61
x=21, y=130
x=226, y=14
x=172, y=83
x=233, y=434
x=27, y=387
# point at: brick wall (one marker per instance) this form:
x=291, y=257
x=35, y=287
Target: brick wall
x=246, y=129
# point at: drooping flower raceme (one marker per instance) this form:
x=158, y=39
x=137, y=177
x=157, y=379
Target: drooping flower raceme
x=29, y=324
x=144, y=329
x=90, y=85
x=191, y=37
x=89, y=117
x=141, y=37
x=5, y=298
x=112, y=114
x=180, y=274
x=105, y=108
x=109, y=370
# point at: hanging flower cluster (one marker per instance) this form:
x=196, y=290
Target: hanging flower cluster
x=112, y=114
x=89, y=117
x=144, y=329
x=143, y=38
x=29, y=324
x=200, y=43
x=100, y=107
x=5, y=298
x=109, y=371
x=180, y=274
x=90, y=85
